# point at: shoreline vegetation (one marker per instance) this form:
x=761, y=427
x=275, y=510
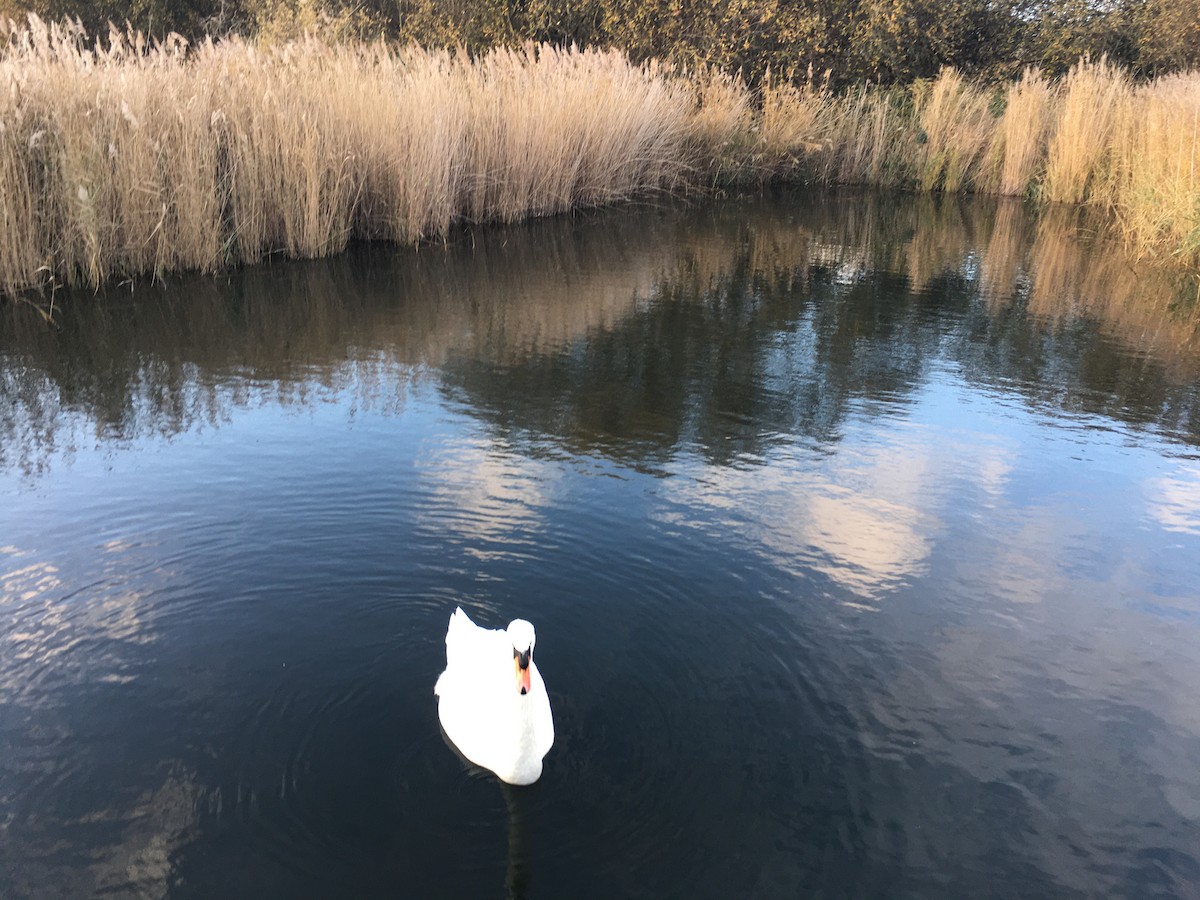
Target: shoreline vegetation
x=123, y=156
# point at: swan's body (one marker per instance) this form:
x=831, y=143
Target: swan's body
x=492, y=701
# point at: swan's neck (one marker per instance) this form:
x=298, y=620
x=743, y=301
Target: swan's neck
x=525, y=759
x=521, y=723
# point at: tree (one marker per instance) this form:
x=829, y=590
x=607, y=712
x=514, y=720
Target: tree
x=1168, y=36
x=1064, y=30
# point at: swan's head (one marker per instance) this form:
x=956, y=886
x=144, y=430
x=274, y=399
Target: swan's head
x=521, y=634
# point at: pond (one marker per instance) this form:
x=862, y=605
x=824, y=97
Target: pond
x=861, y=535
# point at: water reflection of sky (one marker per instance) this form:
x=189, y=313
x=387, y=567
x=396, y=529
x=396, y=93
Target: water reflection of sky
x=869, y=513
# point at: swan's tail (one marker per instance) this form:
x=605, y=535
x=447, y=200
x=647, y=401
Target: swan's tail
x=461, y=628
x=462, y=642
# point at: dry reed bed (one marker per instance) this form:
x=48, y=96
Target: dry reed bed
x=121, y=158
x=1096, y=138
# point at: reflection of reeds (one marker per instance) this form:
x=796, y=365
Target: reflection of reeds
x=1002, y=256
x=941, y=241
x=374, y=323
x=1057, y=265
x=1153, y=308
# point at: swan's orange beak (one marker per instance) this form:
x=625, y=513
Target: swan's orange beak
x=521, y=664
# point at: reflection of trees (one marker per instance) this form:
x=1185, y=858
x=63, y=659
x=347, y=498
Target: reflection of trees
x=173, y=359
x=698, y=366
x=808, y=308
x=634, y=333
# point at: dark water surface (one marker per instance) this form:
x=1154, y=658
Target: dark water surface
x=862, y=536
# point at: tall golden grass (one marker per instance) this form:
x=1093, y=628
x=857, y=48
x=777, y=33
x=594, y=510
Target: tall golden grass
x=1023, y=133
x=122, y=157
x=1096, y=137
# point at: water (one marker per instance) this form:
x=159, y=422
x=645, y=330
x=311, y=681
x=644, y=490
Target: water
x=862, y=536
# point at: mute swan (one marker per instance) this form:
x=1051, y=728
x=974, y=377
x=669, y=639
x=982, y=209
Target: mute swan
x=492, y=701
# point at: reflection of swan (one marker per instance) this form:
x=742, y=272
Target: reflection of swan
x=492, y=701
x=516, y=875
x=517, y=802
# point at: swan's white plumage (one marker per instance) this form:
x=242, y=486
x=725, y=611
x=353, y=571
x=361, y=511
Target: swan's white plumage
x=480, y=706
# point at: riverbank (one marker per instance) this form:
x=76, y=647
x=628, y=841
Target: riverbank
x=121, y=159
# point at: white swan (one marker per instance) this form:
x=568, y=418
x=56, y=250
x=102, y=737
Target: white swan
x=492, y=701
